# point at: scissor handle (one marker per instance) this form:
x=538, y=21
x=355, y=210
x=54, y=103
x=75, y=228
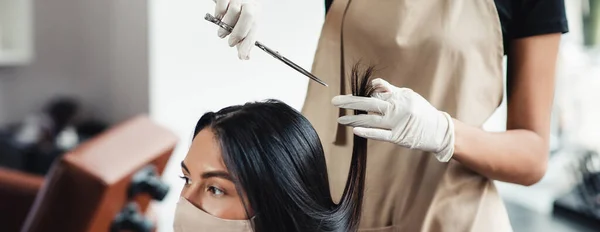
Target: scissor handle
x=218, y=22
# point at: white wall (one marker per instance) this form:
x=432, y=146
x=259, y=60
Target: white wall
x=193, y=71
x=54, y=68
x=94, y=50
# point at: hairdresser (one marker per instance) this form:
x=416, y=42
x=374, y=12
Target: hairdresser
x=430, y=164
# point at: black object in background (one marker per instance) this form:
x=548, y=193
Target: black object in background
x=62, y=111
x=88, y=129
x=582, y=204
x=40, y=159
x=131, y=219
x=37, y=154
x=10, y=154
x=148, y=181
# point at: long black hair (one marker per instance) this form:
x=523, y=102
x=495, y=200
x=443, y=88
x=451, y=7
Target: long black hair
x=277, y=161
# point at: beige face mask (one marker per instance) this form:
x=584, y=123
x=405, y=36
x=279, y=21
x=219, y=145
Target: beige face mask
x=188, y=218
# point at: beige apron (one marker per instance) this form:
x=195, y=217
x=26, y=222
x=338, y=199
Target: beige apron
x=450, y=52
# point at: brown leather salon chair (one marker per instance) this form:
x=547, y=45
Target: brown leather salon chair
x=96, y=187
x=17, y=193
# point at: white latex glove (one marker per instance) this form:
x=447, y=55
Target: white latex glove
x=241, y=15
x=402, y=117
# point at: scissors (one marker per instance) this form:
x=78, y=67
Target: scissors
x=275, y=54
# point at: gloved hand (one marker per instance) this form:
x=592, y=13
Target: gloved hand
x=241, y=15
x=402, y=117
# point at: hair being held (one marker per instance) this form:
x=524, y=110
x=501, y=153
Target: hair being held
x=278, y=163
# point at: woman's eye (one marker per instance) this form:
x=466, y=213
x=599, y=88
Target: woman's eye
x=215, y=191
x=186, y=179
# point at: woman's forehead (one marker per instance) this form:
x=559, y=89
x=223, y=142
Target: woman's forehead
x=205, y=153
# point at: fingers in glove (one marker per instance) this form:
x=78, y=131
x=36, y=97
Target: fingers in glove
x=361, y=103
x=246, y=45
x=372, y=133
x=363, y=120
x=231, y=16
x=221, y=8
x=381, y=85
x=382, y=95
x=384, y=89
x=243, y=26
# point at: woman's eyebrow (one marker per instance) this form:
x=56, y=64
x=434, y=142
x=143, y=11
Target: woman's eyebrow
x=184, y=167
x=211, y=174
x=217, y=174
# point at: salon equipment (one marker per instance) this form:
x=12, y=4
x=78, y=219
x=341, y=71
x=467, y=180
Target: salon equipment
x=148, y=181
x=18, y=191
x=275, y=54
x=145, y=181
x=132, y=220
x=89, y=186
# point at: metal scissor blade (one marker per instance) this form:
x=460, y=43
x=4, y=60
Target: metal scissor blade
x=273, y=53
x=290, y=63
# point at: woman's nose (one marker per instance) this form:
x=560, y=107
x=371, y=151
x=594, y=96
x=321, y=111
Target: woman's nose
x=192, y=194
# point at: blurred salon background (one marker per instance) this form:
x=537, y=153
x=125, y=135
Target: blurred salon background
x=98, y=100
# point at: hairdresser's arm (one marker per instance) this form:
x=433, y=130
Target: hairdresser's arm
x=520, y=154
